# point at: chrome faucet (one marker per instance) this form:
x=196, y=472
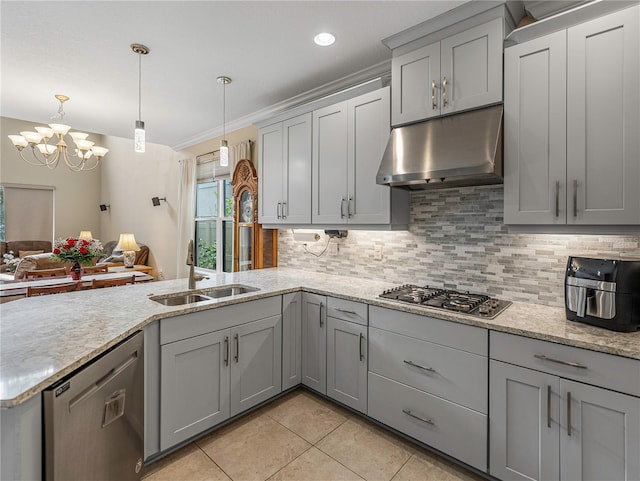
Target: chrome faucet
x=193, y=277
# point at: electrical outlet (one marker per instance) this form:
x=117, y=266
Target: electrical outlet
x=333, y=249
x=377, y=252
x=160, y=275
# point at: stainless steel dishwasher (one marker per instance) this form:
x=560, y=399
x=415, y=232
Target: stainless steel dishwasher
x=93, y=419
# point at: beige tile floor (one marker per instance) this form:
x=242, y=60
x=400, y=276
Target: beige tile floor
x=303, y=437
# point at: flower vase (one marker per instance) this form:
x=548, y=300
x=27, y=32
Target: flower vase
x=76, y=271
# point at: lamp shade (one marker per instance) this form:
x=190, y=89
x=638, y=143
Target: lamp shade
x=127, y=242
x=85, y=235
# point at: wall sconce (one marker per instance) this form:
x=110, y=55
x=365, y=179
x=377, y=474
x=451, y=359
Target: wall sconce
x=104, y=207
x=156, y=200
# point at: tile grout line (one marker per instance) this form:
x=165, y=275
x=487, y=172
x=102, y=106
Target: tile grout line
x=209, y=457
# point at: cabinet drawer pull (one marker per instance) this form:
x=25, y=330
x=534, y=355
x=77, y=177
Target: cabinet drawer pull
x=575, y=197
x=557, y=198
x=419, y=418
x=410, y=363
x=433, y=95
x=346, y=311
x=226, y=350
x=342, y=200
x=542, y=357
x=321, y=307
x=349, y=212
x=285, y=210
x=568, y=413
x=548, y=406
x=444, y=92
x=237, y=356
x=360, y=346
x=278, y=210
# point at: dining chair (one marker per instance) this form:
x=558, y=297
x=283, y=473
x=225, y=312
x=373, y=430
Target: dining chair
x=95, y=269
x=120, y=281
x=57, y=289
x=53, y=272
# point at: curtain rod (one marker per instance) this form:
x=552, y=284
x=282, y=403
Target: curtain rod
x=198, y=157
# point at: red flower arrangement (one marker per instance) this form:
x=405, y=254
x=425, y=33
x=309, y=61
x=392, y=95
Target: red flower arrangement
x=77, y=250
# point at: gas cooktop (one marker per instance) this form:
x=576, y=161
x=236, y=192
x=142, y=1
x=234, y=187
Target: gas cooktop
x=477, y=305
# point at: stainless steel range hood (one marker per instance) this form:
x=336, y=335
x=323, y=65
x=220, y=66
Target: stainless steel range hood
x=455, y=151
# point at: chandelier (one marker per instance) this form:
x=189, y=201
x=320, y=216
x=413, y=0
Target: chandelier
x=85, y=155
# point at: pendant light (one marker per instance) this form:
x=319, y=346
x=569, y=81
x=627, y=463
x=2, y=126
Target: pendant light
x=138, y=133
x=224, y=147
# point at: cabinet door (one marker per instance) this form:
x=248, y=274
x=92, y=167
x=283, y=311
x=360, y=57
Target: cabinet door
x=291, y=339
x=524, y=423
x=471, y=67
x=368, y=202
x=604, y=440
x=535, y=131
x=330, y=149
x=347, y=363
x=603, y=106
x=296, y=208
x=270, y=175
x=415, y=82
x=194, y=386
x=314, y=341
x=256, y=364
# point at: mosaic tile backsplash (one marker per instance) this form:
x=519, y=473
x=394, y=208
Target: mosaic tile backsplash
x=457, y=239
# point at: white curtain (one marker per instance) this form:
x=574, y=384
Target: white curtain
x=238, y=152
x=186, y=213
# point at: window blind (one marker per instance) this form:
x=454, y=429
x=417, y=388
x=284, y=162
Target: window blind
x=28, y=212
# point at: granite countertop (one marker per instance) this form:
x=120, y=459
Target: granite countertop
x=42, y=339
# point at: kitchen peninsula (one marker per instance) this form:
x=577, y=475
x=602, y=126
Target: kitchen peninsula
x=44, y=339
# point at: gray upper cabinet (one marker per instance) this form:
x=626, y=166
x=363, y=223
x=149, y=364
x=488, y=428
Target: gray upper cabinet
x=285, y=172
x=460, y=72
x=572, y=149
x=349, y=139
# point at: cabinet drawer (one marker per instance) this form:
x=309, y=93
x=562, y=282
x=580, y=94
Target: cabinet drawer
x=455, y=430
x=449, y=373
x=350, y=311
x=459, y=336
x=196, y=323
x=605, y=370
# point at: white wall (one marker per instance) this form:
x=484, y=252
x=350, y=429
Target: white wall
x=76, y=194
x=129, y=181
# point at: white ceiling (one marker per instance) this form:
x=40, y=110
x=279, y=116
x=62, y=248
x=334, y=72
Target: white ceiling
x=81, y=49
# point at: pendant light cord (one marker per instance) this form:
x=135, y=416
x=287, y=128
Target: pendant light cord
x=224, y=109
x=139, y=86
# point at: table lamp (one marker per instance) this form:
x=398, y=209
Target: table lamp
x=85, y=235
x=127, y=244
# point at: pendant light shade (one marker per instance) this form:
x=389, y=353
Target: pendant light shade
x=138, y=133
x=224, y=147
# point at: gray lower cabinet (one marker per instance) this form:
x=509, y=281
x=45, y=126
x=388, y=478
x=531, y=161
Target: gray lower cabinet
x=428, y=379
x=291, y=340
x=347, y=353
x=545, y=425
x=194, y=386
x=314, y=341
x=215, y=364
x=256, y=366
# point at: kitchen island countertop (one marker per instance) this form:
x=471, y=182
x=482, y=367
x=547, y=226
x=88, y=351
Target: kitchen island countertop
x=42, y=339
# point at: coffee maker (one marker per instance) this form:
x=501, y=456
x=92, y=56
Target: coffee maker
x=603, y=292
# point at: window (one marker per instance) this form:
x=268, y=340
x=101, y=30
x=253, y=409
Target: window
x=26, y=212
x=214, y=219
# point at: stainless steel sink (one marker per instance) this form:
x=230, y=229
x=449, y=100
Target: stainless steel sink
x=203, y=295
x=180, y=299
x=226, y=291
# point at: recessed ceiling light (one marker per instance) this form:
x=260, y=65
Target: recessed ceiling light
x=324, y=39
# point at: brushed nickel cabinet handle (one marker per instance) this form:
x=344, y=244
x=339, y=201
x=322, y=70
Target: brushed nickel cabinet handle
x=557, y=198
x=278, y=210
x=285, y=210
x=360, y=346
x=226, y=350
x=349, y=212
x=342, y=200
x=419, y=418
x=346, y=311
x=575, y=197
x=444, y=92
x=321, y=307
x=411, y=363
x=542, y=357
x=548, y=406
x=433, y=95
x=237, y=356
x=569, y=413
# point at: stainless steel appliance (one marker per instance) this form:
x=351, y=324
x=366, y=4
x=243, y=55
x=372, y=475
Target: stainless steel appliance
x=477, y=305
x=603, y=292
x=93, y=419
